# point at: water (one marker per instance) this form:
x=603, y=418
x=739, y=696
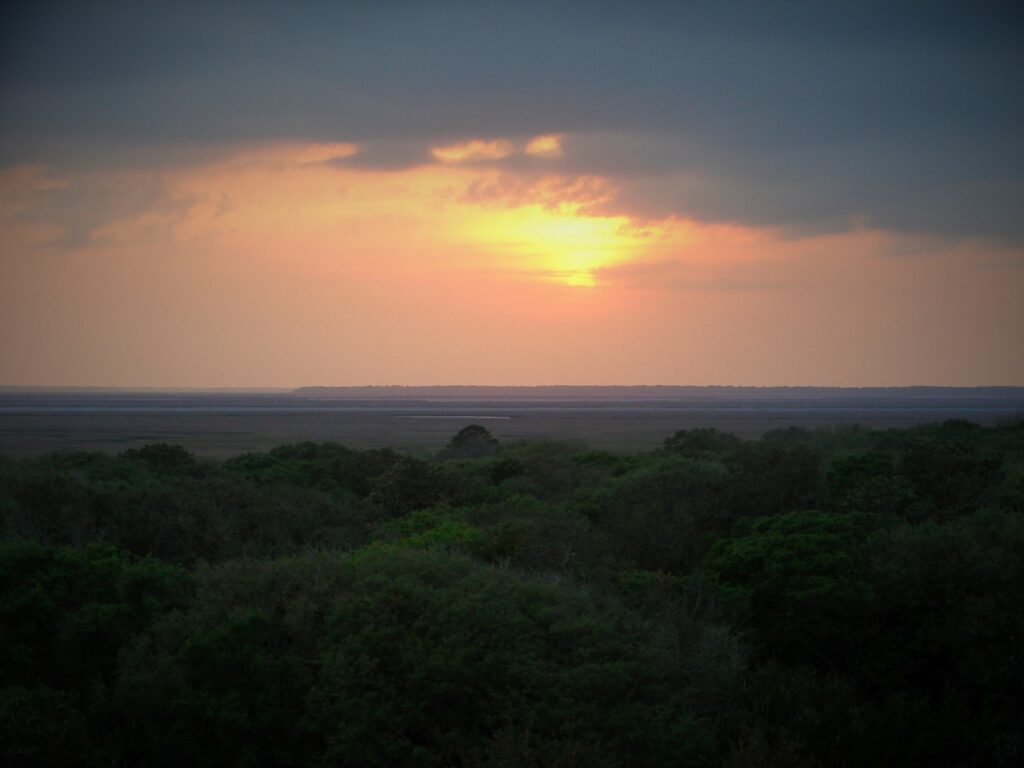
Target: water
x=225, y=423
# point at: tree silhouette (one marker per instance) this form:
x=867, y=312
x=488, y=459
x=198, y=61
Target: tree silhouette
x=471, y=442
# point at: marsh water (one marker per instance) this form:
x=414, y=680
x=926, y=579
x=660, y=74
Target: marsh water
x=225, y=423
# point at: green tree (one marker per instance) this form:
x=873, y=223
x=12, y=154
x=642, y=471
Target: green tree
x=409, y=484
x=800, y=580
x=65, y=617
x=397, y=656
x=471, y=442
x=658, y=514
x=869, y=483
x=163, y=457
x=703, y=443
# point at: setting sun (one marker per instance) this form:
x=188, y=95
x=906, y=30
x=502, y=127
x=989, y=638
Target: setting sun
x=560, y=244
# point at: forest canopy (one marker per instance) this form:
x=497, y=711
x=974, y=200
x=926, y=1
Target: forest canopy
x=836, y=597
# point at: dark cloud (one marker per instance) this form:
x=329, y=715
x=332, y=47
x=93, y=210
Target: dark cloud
x=386, y=155
x=801, y=114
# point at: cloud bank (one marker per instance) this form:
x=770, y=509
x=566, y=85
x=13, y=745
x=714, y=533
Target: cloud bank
x=814, y=116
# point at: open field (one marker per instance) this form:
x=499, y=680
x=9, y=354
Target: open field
x=225, y=424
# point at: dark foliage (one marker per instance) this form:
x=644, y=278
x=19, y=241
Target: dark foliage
x=844, y=597
x=471, y=442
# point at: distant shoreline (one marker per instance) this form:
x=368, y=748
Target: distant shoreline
x=659, y=392
x=547, y=392
x=28, y=389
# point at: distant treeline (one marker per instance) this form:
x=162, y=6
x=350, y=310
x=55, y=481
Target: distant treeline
x=662, y=392
x=836, y=597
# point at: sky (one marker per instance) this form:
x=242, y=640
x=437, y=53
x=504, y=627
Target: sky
x=348, y=193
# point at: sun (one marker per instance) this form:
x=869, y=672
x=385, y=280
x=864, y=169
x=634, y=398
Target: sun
x=559, y=244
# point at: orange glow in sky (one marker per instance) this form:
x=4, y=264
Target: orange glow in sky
x=312, y=271
x=480, y=193
x=544, y=146
x=283, y=202
x=474, y=150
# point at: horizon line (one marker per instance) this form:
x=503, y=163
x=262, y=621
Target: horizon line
x=307, y=387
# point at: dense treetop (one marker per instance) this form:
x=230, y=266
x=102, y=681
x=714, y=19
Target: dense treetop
x=846, y=597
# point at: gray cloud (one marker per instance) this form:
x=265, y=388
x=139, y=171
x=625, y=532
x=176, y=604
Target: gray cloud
x=81, y=208
x=386, y=155
x=807, y=115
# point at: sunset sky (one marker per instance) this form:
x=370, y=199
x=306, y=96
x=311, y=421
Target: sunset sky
x=283, y=194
